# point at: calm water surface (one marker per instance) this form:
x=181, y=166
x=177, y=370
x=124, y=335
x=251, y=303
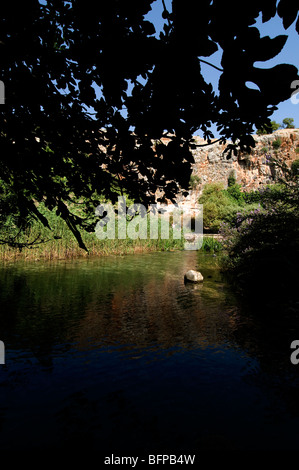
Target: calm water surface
x=119, y=355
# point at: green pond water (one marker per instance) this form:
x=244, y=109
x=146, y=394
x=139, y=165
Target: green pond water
x=118, y=354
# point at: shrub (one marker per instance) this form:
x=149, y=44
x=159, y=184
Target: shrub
x=194, y=182
x=231, y=180
x=235, y=193
x=252, y=197
x=266, y=129
x=295, y=167
x=276, y=143
x=262, y=245
x=218, y=205
x=288, y=123
x=262, y=249
x=211, y=244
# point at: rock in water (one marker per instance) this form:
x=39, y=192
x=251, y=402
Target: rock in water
x=193, y=276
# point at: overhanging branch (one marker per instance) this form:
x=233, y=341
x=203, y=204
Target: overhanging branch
x=209, y=143
x=211, y=65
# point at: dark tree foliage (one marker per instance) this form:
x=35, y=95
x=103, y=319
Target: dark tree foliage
x=62, y=143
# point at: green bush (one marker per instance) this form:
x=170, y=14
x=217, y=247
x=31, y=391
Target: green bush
x=276, y=143
x=231, y=180
x=252, y=197
x=262, y=246
x=194, y=182
x=295, y=167
x=266, y=129
x=211, y=245
x=235, y=193
x=288, y=123
x=218, y=205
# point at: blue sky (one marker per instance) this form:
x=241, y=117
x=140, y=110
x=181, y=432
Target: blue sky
x=289, y=55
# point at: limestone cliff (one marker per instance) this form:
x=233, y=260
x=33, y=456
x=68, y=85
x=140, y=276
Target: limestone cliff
x=251, y=171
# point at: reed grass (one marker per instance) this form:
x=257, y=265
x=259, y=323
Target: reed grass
x=60, y=243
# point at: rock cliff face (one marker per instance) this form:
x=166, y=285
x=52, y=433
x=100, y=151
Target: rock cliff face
x=251, y=171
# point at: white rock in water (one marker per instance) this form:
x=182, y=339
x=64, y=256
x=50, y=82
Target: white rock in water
x=193, y=276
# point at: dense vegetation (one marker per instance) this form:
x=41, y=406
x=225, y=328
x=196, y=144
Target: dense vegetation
x=287, y=123
x=80, y=76
x=221, y=205
x=262, y=245
x=30, y=239
x=37, y=242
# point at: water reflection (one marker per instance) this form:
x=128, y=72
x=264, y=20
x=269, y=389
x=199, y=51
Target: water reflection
x=119, y=353
x=141, y=304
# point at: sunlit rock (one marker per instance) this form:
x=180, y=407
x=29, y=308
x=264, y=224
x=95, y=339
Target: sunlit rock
x=193, y=276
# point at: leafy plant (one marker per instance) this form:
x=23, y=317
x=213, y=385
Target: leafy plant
x=211, y=245
x=268, y=128
x=276, y=143
x=288, y=123
x=252, y=197
x=231, y=180
x=295, y=167
x=219, y=204
x=262, y=245
x=195, y=181
x=235, y=193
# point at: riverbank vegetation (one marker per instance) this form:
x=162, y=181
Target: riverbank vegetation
x=66, y=247
x=80, y=111
x=261, y=246
x=221, y=205
x=35, y=241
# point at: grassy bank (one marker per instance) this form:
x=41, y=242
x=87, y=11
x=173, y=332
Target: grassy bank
x=59, y=243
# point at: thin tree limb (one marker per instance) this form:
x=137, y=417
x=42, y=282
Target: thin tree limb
x=212, y=65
